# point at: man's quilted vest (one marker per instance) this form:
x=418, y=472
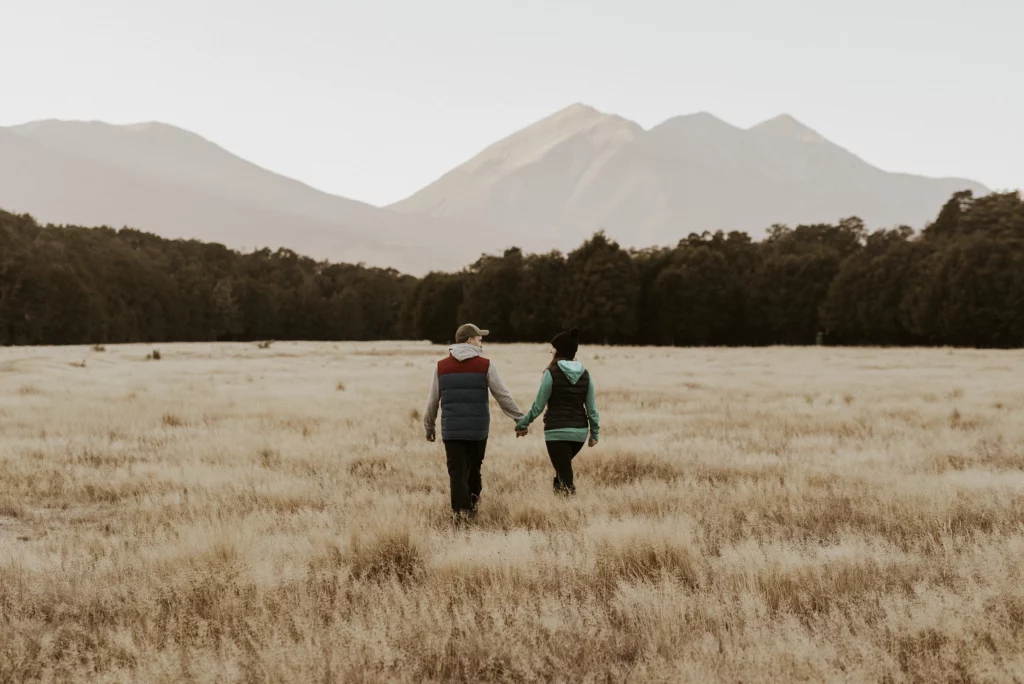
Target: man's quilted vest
x=567, y=405
x=465, y=411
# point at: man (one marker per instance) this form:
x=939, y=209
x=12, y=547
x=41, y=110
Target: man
x=459, y=387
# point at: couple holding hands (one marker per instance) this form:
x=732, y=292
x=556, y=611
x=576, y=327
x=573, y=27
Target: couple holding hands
x=460, y=389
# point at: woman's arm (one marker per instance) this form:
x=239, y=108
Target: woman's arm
x=543, y=394
x=592, y=415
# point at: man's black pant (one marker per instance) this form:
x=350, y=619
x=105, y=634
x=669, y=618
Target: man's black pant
x=464, y=461
x=561, y=454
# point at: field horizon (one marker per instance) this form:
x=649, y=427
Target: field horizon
x=235, y=513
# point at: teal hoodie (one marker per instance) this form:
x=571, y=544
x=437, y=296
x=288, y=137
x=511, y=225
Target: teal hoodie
x=574, y=371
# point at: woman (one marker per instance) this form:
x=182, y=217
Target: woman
x=567, y=392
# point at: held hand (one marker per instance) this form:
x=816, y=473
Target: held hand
x=431, y=438
x=522, y=433
x=592, y=442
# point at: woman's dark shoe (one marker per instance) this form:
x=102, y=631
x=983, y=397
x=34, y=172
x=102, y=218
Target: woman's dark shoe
x=561, y=489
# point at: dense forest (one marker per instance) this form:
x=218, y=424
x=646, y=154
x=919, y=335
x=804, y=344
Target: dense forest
x=959, y=282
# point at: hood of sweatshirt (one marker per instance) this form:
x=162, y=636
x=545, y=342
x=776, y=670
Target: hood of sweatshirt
x=572, y=369
x=465, y=352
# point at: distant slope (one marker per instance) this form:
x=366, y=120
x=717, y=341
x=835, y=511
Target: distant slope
x=581, y=170
x=181, y=156
x=162, y=179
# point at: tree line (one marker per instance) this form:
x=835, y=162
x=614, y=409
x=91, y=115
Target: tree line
x=958, y=282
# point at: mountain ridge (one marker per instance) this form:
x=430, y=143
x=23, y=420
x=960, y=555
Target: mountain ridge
x=581, y=170
x=549, y=185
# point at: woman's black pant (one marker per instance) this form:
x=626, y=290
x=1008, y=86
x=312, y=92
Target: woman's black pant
x=561, y=454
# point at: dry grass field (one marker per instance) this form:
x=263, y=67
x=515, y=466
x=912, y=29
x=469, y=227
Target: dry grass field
x=230, y=513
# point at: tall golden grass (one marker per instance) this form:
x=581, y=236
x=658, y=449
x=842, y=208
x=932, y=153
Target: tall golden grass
x=230, y=513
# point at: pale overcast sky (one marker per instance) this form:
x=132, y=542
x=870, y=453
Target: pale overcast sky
x=373, y=99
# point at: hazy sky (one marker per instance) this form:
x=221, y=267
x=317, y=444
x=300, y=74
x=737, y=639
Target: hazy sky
x=373, y=99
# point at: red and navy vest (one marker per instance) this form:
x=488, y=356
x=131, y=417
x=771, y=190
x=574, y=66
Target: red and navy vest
x=465, y=410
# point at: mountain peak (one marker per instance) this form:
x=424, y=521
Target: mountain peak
x=702, y=122
x=67, y=128
x=157, y=127
x=534, y=142
x=581, y=116
x=578, y=109
x=786, y=125
x=700, y=116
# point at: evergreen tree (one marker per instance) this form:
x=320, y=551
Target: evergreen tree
x=540, y=312
x=436, y=303
x=602, y=291
x=493, y=293
x=865, y=300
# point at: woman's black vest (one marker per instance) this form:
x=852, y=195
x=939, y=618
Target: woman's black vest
x=567, y=405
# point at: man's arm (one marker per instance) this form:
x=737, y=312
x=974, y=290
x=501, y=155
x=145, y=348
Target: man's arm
x=433, y=402
x=543, y=394
x=502, y=395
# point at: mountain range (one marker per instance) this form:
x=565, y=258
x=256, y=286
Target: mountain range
x=550, y=185
x=581, y=169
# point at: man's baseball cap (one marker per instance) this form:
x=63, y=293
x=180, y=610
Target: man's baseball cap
x=468, y=331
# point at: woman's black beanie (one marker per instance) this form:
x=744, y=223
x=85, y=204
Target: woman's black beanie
x=566, y=344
